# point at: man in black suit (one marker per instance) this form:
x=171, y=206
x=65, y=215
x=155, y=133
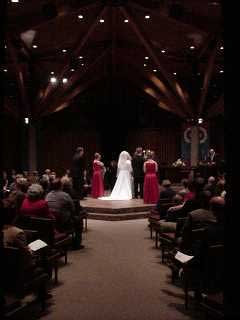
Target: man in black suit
x=138, y=174
x=78, y=171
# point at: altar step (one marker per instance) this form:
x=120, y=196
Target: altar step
x=118, y=217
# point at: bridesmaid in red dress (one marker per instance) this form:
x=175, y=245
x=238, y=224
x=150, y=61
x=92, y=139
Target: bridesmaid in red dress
x=97, y=178
x=151, y=186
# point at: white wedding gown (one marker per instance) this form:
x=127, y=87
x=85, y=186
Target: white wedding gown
x=123, y=186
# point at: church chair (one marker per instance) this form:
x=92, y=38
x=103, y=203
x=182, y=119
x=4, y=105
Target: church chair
x=20, y=280
x=212, y=305
x=47, y=233
x=169, y=240
x=156, y=215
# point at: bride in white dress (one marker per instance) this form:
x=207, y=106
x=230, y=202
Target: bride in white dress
x=123, y=187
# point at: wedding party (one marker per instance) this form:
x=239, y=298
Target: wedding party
x=115, y=178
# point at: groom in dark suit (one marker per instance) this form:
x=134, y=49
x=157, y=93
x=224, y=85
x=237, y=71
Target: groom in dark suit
x=138, y=174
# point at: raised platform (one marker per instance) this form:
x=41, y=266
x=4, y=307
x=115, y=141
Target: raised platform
x=116, y=210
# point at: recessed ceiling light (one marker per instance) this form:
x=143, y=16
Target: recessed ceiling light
x=80, y=57
x=222, y=48
x=80, y=16
x=145, y=64
x=35, y=46
x=5, y=70
x=101, y=20
x=221, y=71
x=147, y=17
x=192, y=47
x=214, y=3
x=5, y=47
x=64, y=50
x=163, y=51
x=175, y=73
x=126, y=20
x=64, y=80
x=82, y=64
x=146, y=58
x=154, y=70
x=72, y=70
x=53, y=80
x=52, y=72
x=14, y=1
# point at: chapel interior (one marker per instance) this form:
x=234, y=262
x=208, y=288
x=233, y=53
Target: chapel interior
x=108, y=76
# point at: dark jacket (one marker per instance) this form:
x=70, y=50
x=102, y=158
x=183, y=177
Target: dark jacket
x=137, y=165
x=78, y=166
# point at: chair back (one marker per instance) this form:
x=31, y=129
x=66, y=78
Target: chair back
x=13, y=269
x=214, y=268
x=45, y=227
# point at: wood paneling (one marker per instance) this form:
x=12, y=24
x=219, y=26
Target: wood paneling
x=164, y=141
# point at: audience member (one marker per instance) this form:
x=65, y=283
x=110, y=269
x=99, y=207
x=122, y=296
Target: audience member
x=34, y=204
x=67, y=217
x=167, y=191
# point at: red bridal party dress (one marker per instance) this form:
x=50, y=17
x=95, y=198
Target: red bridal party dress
x=97, y=180
x=150, y=188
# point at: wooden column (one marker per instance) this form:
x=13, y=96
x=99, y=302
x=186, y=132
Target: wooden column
x=32, y=148
x=194, y=145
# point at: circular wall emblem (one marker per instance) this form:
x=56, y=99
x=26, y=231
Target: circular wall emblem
x=202, y=135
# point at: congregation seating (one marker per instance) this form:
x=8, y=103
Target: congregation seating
x=203, y=274
x=58, y=243
x=19, y=281
x=155, y=215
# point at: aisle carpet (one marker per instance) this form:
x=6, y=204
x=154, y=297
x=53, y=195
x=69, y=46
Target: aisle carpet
x=118, y=276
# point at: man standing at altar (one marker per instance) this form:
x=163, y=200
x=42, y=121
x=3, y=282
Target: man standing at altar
x=211, y=156
x=138, y=174
x=78, y=172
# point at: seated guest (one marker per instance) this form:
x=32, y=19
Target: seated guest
x=45, y=183
x=191, y=191
x=167, y=192
x=184, y=190
x=34, y=204
x=198, y=218
x=67, y=186
x=62, y=206
x=17, y=196
x=220, y=187
x=211, y=185
x=46, y=174
x=14, y=236
x=214, y=233
x=168, y=225
x=179, y=202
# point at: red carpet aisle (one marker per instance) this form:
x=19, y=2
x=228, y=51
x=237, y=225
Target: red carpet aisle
x=118, y=276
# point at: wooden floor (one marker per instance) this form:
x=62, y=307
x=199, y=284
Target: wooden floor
x=116, y=209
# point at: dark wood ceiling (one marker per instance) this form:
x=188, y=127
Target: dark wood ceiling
x=183, y=73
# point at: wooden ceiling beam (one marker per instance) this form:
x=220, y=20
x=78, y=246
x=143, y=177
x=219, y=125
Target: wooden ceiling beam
x=149, y=87
x=66, y=101
x=171, y=82
x=149, y=91
x=73, y=79
x=152, y=78
x=80, y=44
x=20, y=79
x=206, y=79
x=217, y=108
